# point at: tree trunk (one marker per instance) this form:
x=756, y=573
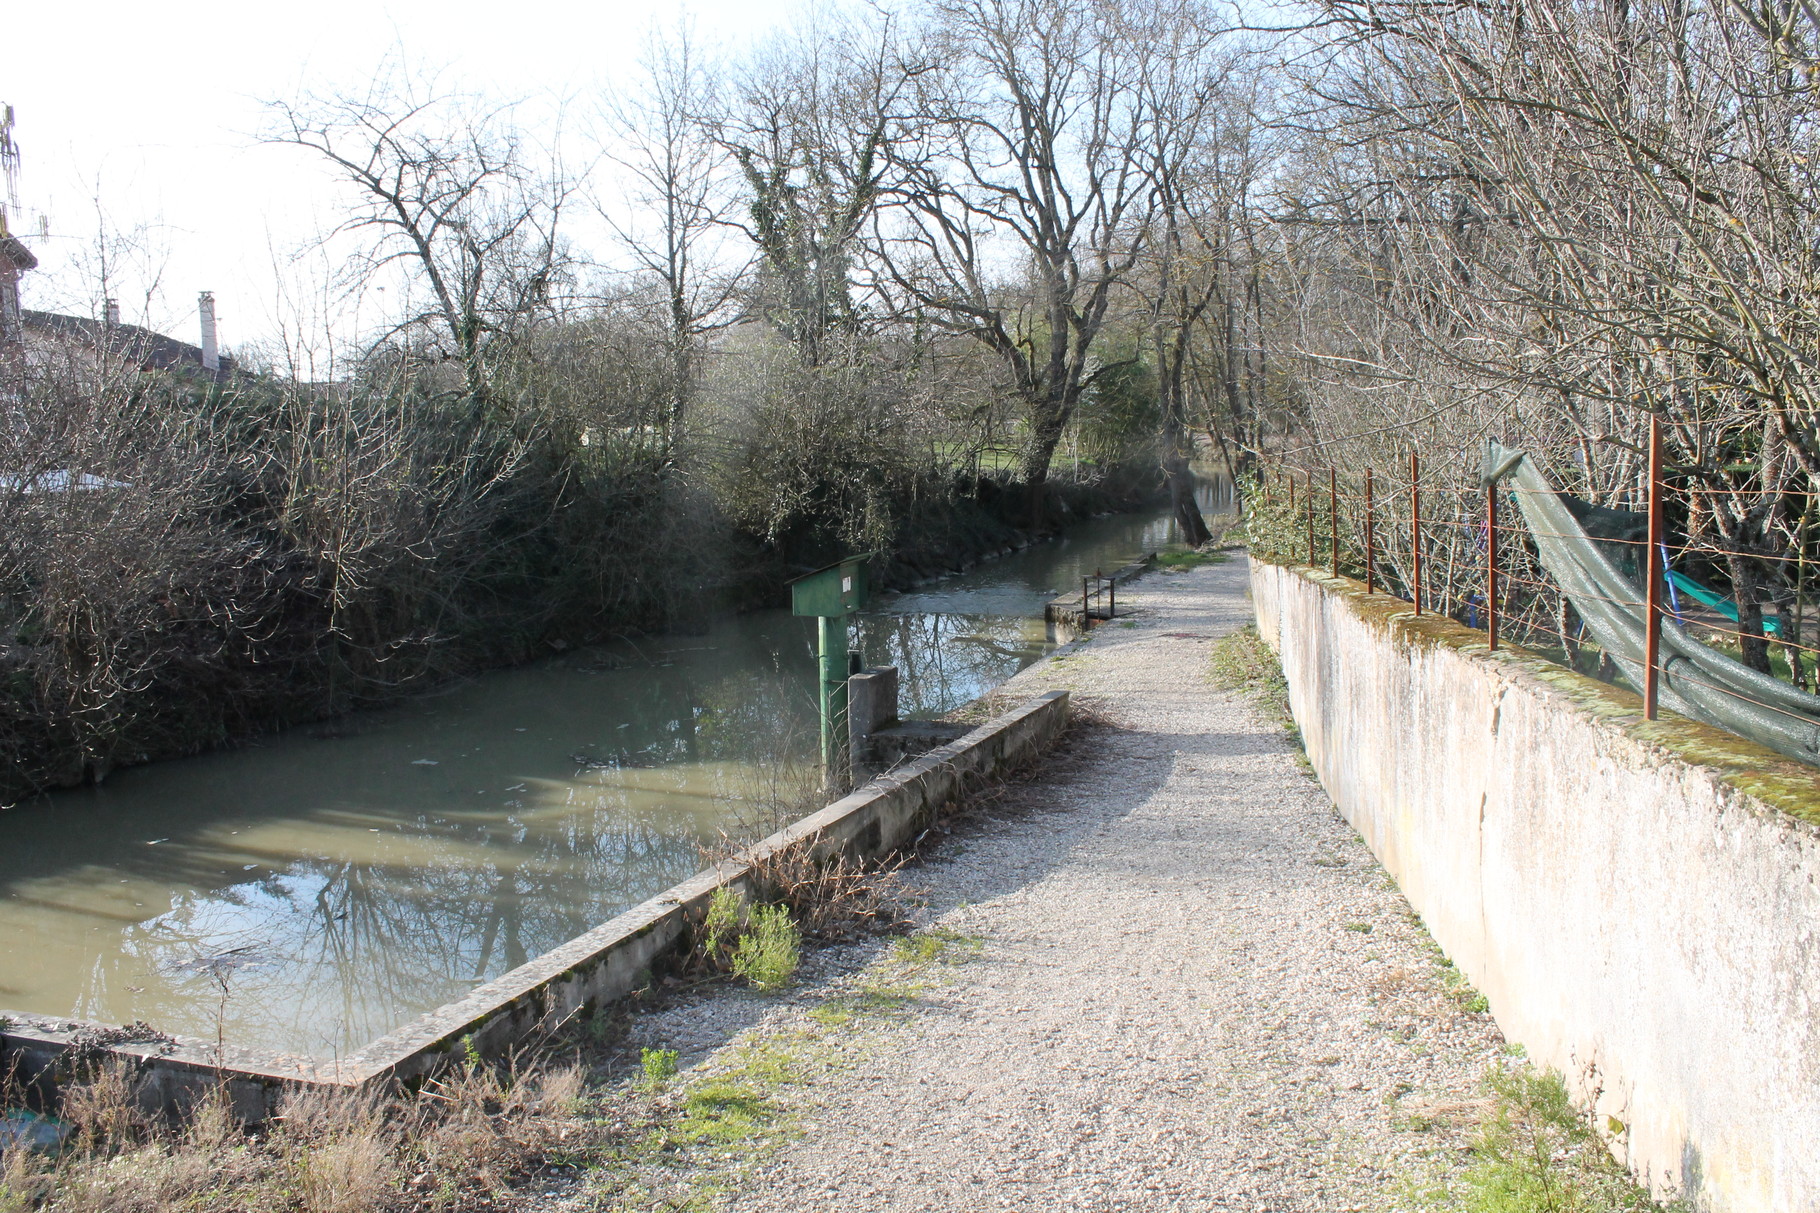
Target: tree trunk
x=1750, y=614
x=1187, y=510
x=1048, y=421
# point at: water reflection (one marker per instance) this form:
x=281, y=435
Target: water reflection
x=316, y=890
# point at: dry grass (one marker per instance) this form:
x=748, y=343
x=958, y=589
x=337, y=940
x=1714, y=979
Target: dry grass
x=470, y=1141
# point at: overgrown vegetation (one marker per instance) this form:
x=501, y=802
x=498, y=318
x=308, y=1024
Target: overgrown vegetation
x=1532, y=1151
x=1242, y=662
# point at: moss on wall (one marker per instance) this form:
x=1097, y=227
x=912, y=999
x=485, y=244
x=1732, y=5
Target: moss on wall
x=1776, y=783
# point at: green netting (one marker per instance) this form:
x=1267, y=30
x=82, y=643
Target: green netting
x=1592, y=553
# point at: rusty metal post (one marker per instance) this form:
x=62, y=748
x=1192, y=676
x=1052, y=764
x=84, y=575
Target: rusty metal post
x=1491, y=563
x=1652, y=594
x=1415, y=529
x=1085, y=612
x=1371, y=562
x=1112, y=598
x=1333, y=519
x=1310, y=496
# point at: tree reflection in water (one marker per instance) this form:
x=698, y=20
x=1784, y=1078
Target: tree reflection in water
x=341, y=882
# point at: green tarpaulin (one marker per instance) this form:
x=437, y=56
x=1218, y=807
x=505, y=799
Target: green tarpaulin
x=1599, y=573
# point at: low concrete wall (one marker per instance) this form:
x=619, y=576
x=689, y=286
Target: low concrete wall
x=1639, y=901
x=613, y=959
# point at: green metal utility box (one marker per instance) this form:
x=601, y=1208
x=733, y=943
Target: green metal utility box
x=830, y=594
x=838, y=589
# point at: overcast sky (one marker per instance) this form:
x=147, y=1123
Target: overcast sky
x=151, y=108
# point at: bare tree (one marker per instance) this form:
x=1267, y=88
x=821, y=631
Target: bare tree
x=1553, y=221
x=1019, y=196
x=1203, y=155
x=676, y=212
x=452, y=196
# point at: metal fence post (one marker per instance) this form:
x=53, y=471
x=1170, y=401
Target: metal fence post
x=1652, y=581
x=1415, y=529
x=1310, y=496
x=1370, y=553
x=1491, y=564
x=1333, y=519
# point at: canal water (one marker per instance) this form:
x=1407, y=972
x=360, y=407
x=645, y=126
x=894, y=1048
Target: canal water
x=319, y=888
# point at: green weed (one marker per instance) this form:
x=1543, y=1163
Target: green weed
x=1363, y=928
x=725, y=1111
x=659, y=1067
x=871, y=998
x=768, y=953
x=1534, y=1153
x=1242, y=662
x=1177, y=562
x=937, y=943
x=721, y=924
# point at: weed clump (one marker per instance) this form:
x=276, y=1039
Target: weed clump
x=659, y=1066
x=1535, y=1153
x=1181, y=562
x=1242, y=662
x=466, y=1141
x=761, y=943
x=770, y=950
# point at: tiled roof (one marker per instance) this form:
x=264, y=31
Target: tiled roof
x=153, y=351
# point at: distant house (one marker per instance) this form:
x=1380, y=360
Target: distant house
x=142, y=347
x=15, y=259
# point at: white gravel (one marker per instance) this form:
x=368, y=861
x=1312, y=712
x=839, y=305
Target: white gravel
x=1177, y=1004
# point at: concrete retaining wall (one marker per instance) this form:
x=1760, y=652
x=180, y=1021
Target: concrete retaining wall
x=1639, y=901
x=613, y=959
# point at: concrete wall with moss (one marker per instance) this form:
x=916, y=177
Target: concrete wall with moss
x=1638, y=901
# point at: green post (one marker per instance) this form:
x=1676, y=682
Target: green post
x=833, y=656
x=830, y=594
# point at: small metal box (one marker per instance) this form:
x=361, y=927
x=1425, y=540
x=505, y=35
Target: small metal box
x=839, y=589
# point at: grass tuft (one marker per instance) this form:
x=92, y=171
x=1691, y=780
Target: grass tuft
x=1535, y=1153
x=1178, y=562
x=1242, y=662
x=771, y=948
x=658, y=1066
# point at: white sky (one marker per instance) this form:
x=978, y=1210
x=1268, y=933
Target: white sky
x=152, y=107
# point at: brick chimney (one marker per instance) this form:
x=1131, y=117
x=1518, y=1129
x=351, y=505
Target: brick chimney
x=211, y=351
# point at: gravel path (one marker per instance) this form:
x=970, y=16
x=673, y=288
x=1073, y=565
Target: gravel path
x=1194, y=990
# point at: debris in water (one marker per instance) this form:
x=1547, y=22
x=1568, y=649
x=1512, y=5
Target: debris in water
x=232, y=960
x=424, y=762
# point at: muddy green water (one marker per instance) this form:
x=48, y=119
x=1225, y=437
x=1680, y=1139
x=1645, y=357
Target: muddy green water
x=322, y=887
